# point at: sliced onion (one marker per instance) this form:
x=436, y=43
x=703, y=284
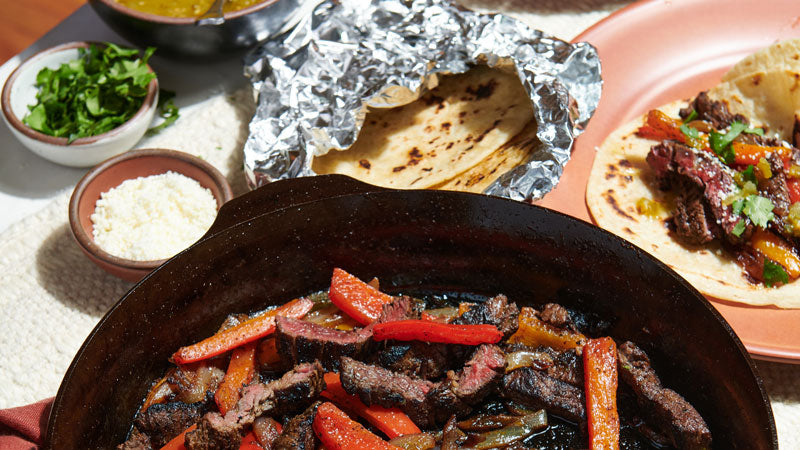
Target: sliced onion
x=537, y=360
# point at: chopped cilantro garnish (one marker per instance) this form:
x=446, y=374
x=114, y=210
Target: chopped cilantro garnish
x=90, y=95
x=737, y=206
x=774, y=273
x=749, y=174
x=738, y=229
x=692, y=115
x=758, y=131
x=758, y=209
x=690, y=132
x=166, y=110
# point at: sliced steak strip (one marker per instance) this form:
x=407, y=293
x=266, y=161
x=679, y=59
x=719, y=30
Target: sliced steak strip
x=678, y=167
x=300, y=342
x=298, y=434
x=663, y=408
x=163, y=421
x=495, y=311
x=378, y=386
x=401, y=308
x=535, y=389
x=712, y=111
x=458, y=393
x=136, y=441
x=294, y=391
x=419, y=359
x=691, y=220
x=777, y=191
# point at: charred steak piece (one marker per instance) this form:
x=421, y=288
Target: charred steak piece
x=418, y=359
x=679, y=167
x=298, y=434
x=301, y=341
x=294, y=391
x=712, y=111
x=401, y=308
x=495, y=311
x=163, y=421
x=664, y=409
x=136, y=441
x=458, y=393
x=378, y=386
x=537, y=390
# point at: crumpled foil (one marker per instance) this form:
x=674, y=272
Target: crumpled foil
x=316, y=81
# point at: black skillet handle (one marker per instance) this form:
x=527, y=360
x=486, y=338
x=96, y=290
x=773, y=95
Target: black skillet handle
x=284, y=193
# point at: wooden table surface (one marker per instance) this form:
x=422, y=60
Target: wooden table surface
x=28, y=20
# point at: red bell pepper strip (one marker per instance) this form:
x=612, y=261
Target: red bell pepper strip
x=356, y=298
x=250, y=442
x=430, y=331
x=794, y=189
x=600, y=376
x=337, y=431
x=247, y=331
x=241, y=369
x=391, y=421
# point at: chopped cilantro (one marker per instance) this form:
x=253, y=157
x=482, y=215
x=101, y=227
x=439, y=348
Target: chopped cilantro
x=749, y=174
x=774, y=273
x=738, y=229
x=90, y=95
x=758, y=131
x=690, y=132
x=758, y=209
x=166, y=110
x=692, y=115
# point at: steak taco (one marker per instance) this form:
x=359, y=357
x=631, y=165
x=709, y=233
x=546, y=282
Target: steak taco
x=711, y=186
x=461, y=135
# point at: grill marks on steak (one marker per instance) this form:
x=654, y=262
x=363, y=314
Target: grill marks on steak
x=427, y=403
x=712, y=111
x=664, y=408
x=298, y=434
x=497, y=311
x=535, y=389
x=163, y=421
x=287, y=395
x=378, y=386
x=418, y=359
x=685, y=169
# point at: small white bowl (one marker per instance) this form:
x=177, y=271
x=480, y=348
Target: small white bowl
x=20, y=91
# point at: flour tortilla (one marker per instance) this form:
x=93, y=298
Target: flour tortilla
x=449, y=130
x=620, y=177
x=515, y=152
x=780, y=56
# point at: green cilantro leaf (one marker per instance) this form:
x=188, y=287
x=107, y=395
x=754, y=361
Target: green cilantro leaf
x=738, y=229
x=737, y=206
x=749, y=174
x=774, y=273
x=692, y=115
x=758, y=131
x=166, y=110
x=758, y=209
x=690, y=132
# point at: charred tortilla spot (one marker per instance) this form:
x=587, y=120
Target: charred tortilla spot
x=398, y=168
x=462, y=114
x=756, y=79
x=610, y=175
x=625, y=163
x=427, y=169
x=446, y=126
x=449, y=146
x=432, y=100
x=609, y=196
x=468, y=138
x=461, y=122
x=364, y=163
x=415, y=155
x=612, y=168
x=627, y=178
x=416, y=180
x=434, y=140
x=627, y=230
x=483, y=90
x=429, y=129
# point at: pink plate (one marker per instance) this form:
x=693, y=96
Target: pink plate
x=654, y=52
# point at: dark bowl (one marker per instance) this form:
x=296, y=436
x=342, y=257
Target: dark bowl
x=283, y=240
x=181, y=37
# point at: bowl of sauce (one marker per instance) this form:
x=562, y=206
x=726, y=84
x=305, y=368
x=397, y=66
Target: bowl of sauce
x=171, y=26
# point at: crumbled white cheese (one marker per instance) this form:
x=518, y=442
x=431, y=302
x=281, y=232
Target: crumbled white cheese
x=153, y=217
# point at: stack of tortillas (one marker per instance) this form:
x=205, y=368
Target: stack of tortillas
x=461, y=135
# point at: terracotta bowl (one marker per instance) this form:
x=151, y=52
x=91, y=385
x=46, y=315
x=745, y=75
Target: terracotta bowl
x=129, y=165
x=20, y=91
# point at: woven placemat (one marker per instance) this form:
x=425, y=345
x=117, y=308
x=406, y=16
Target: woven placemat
x=51, y=295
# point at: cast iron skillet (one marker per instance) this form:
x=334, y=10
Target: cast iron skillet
x=264, y=250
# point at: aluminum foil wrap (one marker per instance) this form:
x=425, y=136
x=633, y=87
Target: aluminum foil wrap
x=316, y=82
